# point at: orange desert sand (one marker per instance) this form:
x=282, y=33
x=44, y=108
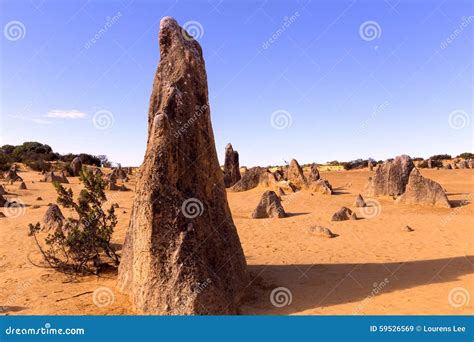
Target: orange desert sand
x=325, y=276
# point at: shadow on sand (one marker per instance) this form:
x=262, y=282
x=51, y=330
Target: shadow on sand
x=323, y=285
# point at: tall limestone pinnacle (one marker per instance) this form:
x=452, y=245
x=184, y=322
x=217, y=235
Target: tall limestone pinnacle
x=182, y=254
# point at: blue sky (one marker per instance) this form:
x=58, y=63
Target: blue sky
x=340, y=80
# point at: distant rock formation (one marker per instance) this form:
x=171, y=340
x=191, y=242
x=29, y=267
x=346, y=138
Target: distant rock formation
x=421, y=190
x=51, y=177
x=391, y=177
x=370, y=165
x=269, y=206
x=181, y=233
x=254, y=177
x=231, y=166
x=12, y=176
x=76, y=167
x=313, y=174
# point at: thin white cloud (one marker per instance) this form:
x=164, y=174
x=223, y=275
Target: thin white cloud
x=41, y=121
x=65, y=114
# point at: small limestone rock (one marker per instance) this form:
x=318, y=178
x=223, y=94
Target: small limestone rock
x=407, y=229
x=359, y=202
x=22, y=186
x=39, y=198
x=322, y=186
x=342, y=214
x=269, y=206
x=322, y=232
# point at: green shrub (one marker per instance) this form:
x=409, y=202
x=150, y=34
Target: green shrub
x=82, y=243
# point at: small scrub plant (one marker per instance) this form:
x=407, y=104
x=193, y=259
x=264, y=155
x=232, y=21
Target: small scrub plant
x=82, y=243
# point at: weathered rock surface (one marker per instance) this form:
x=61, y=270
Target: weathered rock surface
x=391, y=177
x=2, y=190
x=269, y=206
x=462, y=164
x=343, y=214
x=3, y=201
x=313, y=174
x=296, y=176
x=231, y=166
x=76, y=167
x=322, y=186
x=53, y=218
x=421, y=190
x=254, y=177
x=359, y=201
x=181, y=232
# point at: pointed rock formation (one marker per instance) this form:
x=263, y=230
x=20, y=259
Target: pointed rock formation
x=2, y=190
x=359, y=202
x=254, y=177
x=421, y=190
x=370, y=165
x=22, y=186
x=296, y=176
x=313, y=174
x=391, y=177
x=181, y=232
x=231, y=166
x=53, y=218
x=76, y=166
x=269, y=206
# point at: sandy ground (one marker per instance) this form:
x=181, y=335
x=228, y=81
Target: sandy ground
x=372, y=267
